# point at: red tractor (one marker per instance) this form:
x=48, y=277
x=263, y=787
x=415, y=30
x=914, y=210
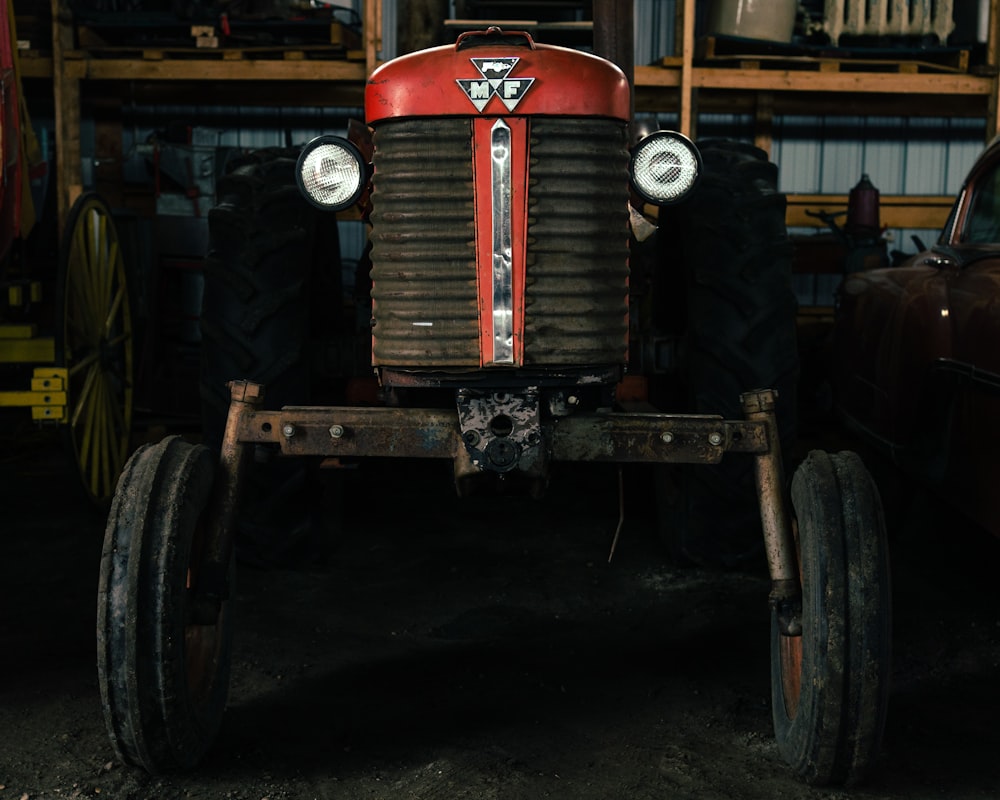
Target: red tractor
x=502, y=189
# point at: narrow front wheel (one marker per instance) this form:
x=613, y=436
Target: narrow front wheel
x=163, y=666
x=830, y=685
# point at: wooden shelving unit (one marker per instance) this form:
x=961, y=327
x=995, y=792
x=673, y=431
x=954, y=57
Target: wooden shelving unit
x=70, y=67
x=681, y=73
x=679, y=83
x=766, y=92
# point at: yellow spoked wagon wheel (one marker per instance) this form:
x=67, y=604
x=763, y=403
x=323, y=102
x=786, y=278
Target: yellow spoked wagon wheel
x=94, y=344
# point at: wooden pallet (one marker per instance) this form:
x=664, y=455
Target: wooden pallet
x=756, y=54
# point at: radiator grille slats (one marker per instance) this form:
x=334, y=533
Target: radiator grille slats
x=424, y=299
x=576, y=302
x=423, y=244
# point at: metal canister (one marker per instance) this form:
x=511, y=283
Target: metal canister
x=863, y=210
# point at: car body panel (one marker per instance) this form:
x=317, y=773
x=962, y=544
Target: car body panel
x=917, y=353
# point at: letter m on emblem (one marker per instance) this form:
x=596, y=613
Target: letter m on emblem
x=478, y=91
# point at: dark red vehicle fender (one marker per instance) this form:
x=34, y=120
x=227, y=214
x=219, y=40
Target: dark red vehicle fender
x=898, y=329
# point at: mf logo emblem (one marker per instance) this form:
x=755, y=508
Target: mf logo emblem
x=495, y=82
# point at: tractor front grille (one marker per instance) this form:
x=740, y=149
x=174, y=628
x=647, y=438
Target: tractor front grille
x=424, y=296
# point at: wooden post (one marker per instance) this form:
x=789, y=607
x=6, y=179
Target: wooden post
x=764, y=122
x=372, y=34
x=688, y=100
x=614, y=38
x=66, y=96
x=992, y=59
x=419, y=24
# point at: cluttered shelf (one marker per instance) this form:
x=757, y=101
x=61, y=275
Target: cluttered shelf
x=756, y=66
x=773, y=74
x=154, y=46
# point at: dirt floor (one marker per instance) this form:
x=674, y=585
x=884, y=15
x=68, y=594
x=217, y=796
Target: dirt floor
x=437, y=648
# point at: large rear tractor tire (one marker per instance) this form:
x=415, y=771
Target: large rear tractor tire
x=737, y=335
x=272, y=297
x=830, y=686
x=270, y=255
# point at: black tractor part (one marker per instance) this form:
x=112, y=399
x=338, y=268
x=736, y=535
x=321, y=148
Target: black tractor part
x=272, y=299
x=735, y=321
x=271, y=256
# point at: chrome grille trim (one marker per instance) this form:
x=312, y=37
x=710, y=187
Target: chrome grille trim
x=503, y=259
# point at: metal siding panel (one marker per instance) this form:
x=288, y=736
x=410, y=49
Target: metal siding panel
x=654, y=30
x=726, y=126
x=926, y=153
x=884, y=153
x=841, y=154
x=797, y=153
x=965, y=143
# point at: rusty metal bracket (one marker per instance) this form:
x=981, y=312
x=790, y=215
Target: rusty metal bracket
x=779, y=541
x=234, y=457
x=653, y=438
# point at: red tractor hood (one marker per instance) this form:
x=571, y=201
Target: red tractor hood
x=494, y=73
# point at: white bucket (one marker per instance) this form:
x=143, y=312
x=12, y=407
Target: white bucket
x=773, y=20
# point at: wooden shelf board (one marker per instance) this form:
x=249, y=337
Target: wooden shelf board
x=35, y=66
x=773, y=80
x=214, y=70
x=657, y=77
x=869, y=82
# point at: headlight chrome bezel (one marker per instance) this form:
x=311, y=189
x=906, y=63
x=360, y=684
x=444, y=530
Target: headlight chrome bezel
x=347, y=156
x=688, y=163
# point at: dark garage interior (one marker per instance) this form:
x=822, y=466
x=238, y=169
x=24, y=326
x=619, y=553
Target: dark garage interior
x=645, y=450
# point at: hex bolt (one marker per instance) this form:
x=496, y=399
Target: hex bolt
x=666, y=437
x=288, y=430
x=715, y=438
x=336, y=431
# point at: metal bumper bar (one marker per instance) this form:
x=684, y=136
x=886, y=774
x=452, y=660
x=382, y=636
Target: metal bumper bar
x=432, y=433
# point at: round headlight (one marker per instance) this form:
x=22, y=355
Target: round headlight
x=331, y=173
x=665, y=167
